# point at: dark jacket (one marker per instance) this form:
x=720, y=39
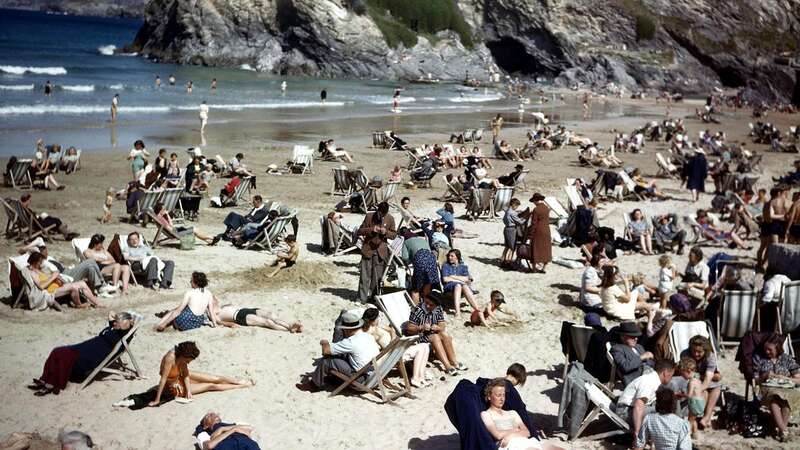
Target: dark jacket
x=374, y=242
x=629, y=362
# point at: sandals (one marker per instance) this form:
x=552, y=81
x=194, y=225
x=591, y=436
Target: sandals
x=452, y=371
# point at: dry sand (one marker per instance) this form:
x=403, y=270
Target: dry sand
x=314, y=292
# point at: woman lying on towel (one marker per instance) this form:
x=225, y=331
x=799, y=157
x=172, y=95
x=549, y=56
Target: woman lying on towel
x=75, y=362
x=176, y=382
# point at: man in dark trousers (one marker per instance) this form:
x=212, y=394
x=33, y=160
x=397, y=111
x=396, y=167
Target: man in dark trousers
x=234, y=221
x=376, y=229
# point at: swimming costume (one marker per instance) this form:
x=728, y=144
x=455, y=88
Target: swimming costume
x=240, y=317
x=290, y=263
x=187, y=320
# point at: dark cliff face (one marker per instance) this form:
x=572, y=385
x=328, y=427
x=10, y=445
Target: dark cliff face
x=101, y=8
x=685, y=45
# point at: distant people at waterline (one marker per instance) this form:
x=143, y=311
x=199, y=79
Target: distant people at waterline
x=203, y=115
x=114, y=106
x=213, y=86
x=189, y=87
x=171, y=80
x=283, y=86
x=48, y=88
x=158, y=82
x=323, y=95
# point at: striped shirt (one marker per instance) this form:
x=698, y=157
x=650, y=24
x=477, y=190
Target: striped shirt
x=665, y=431
x=420, y=316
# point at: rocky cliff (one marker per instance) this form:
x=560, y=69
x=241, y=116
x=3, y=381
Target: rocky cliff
x=103, y=8
x=687, y=45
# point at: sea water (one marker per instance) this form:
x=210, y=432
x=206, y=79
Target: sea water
x=80, y=57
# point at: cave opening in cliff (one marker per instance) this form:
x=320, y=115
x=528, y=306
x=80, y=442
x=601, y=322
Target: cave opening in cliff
x=511, y=56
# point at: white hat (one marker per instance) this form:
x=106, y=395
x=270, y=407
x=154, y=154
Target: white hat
x=480, y=172
x=38, y=242
x=350, y=321
x=343, y=167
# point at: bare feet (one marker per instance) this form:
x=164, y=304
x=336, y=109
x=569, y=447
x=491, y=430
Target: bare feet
x=296, y=327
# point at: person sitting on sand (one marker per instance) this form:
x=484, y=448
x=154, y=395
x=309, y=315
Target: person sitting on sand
x=46, y=221
x=77, y=361
x=347, y=356
x=191, y=312
x=108, y=265
x=233, y=316
x=427, y=321
x=288, y=258
x=176, y=381
x=163, y=218
x=52, y=284
x=637, y=399
x=488, y=316
x=212, y=433
x=384, y=335
x=665, y=429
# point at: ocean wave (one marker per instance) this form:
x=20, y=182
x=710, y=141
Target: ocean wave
x=78, y=87
x=243, y=106
x=384, y=99
x=247, y=67
x=16, y=87
x=75, y=109
x=20, y=70
x=107, y=50
x=475, y=98
x=117, y=87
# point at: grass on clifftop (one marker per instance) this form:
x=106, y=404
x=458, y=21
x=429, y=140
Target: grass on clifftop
x=401, y=21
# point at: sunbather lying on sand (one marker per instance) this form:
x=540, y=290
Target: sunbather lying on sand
x=233, y=316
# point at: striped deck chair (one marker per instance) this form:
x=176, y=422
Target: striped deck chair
x=451, y=193
x=789, y=307
x=12, y=224
x=360, y=181
x=519, y=180
x=501, y=199
x=380, y=366
x=123, y=347
x=665, y=168
x=339, y=240
x=477, y=135
x=270, y=236
x=557, y=210
x=415, y=158
x=342, y=183
x=379, y=139
x=736, y=314
x=146, y=203
x=29, y=224
x=242, y=193
x=18, y=176
x=601, y=404
x=302, y=160
x=388, y=191
x=397, y=307
x=171, y=199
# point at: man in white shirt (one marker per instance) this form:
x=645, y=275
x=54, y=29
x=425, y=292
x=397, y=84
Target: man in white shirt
x=696, y=275
x=347, y=356
x=144, y=261
x=637, y=399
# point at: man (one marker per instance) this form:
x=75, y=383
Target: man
x=637, y=399
x=791, y=177
x=237, y=167
x=114, y=106
x=348, y=356
x=630, y=358
x=46, y=221
x=664, y=429
x=511, y=178
x=409, y=218
x=212, y=433
x=234, y=220
x=87, y=270
x=397, y=143
x=427, y=320
x=377, y=227
x=695, y=277
x=668, y=233
x=143, y=260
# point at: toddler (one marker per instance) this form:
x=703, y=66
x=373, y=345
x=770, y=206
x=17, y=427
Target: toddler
x=666, y=276
x=487, y=316
x=694, y=392
x=107, y=206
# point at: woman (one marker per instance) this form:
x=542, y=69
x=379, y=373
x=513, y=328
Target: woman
x=69, y=162
x=772, y=364
x=702, y=353
x=639, y=230
x=717, y=235
x=506, y=427
x=53, y=284
x=76, y=362
x=137, y=159
x=191, y=312
x=162, y=218
x=643, y=186
x=396, y=175
x=455, y=275
x=447, y=214
x=45, y=163
x=620, y=303
x=591, y=282
x=512, y=220
x=384, y=335
x=496, y=124
x=696, y=173
x=539, y=235
x=108, y=265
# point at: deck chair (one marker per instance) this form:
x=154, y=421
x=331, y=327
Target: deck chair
x=162, y=235
x=557, y=210
x=29, y=224
x=79, y=245
x=501, y=200
x=737, y=311
x=341, y=240
x=389, y=358
x=242, y=192
x=360, y=181
x=269, y=236
x=12, y=219
x=665, y=168
x=519, y=180
x=302, y=160
x=579, y=336
x=171, y=199
x=612, y=376
x=342, y=184
x=629, y=186
x=18, y=176
x=415, y=158
x=601, y=404
x=146, y=203
x=477, y=135
x=123, y=347
x=388, y=191
x=451, y=193
x=789, y=307
x=682, y=332
x=379, y=139
x=17, y=283
x=479, y=203
x=574, y=198
x=397, y=307
x=395, y=250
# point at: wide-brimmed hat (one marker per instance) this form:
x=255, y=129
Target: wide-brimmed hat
x=350, y=321
x=629, y=329
x=519, y=167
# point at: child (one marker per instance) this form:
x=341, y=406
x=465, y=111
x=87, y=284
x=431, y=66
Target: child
x=694, y=392
x=203, y=179
x=107, y=206
x=289, y=258
x=485, y=317
x=666, y=276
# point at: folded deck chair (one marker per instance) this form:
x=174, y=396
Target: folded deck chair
x=501, y=200
x=737, y=311
x=270, y=236
x=665, y=168
x=12, y=219
x=342, y=183
x=18, y=176
x=601, y=404
x=123, y=347
x=378, y=369
x=682, y=332
x=789, y=307
x=379, y=139
x=397, y=307
x=302, y=160
x=557, y=210
x=29, y=224
x=146, y=203
x=574, y=198
x=451, y=193
x=480, y=203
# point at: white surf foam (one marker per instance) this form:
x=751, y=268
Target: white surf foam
x=78, y=87
x=476, y=98
x=20, y=70
x=117, y=87
x=384, y=99
x=107, y=50
x=74, y=109
x=243, y=106
x=247, y=67
x=16, y=87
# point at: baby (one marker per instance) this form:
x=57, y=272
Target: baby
x=666, y=277
x=487, y=316
x=694, y=392
x=107, y=216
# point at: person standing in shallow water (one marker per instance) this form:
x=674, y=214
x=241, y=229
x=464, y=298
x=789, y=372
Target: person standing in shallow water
x=323, y=95
x=158, y=82
x=114, y=106
x=213, y=86
x=48, y=89
x=203, y=116
x=171, y=80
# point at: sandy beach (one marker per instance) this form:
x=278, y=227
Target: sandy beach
x=319, y=286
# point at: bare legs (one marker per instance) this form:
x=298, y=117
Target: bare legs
x=203, y=237
x=780, y=413
x=711, y=402
x=442, y=345
x=467, y=292
x=118, y=271
x=646, y=242
x=267, y=319
x=203, y=382
x=418, y=369
x=74, y=290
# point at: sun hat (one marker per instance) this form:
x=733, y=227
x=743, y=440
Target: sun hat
x=350, y=321
x=480, y=172
x=629, y=329
x=38, y=242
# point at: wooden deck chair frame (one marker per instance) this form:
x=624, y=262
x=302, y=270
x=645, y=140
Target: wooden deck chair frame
x=388, y=191
x=789, y=308
x=12, y=219
x=241, y=191
x=574, y=198
x=29, y=224
x=665, y=168
x=501, y=199
x=342, y=183
x=269, y=236
x=349, y=245
x=395, y=250
x=519, y=180
x=601, y=402
x=630, y=186
x=146, y=203
x=392, y=357
x=360, y=182
x=397, y=308
x=736, y=315
x=168, y=235
x=612, y=376
x=451, y=193
x=123, y=347
x=19, y=176
x=21, y=286
x=557, y=210
x=171, y=199
x=303, y=159
x=414, y=160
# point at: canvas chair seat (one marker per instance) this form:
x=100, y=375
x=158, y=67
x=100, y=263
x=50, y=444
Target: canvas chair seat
x=737, y=311
x=789, y=307
x=395, y=250
x=629, y=186
x=123, y=347
x=601, y=404
x=388, y=191
x=23, y=288
x=147, y=202
x=29, y=224
x=302, y=160
x=18, y=176
x=480, y=203
x=501, y=199
x=574, y=198
x=579, y=336
x=682, y=332
x=336, y=239
x=557, y=210
x=171, y=199
x=342, y=183
x=269, y=237
x=397, y=307
x=451, y=193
